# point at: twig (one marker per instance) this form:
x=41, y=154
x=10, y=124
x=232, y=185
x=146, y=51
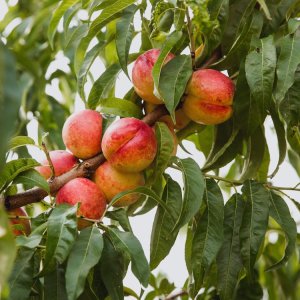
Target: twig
x=191, y=36
x=44, y=147
x=175, y=295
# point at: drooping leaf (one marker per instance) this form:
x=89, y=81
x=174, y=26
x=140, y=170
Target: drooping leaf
x=19, y=141
x=10, y=98
x=32, y=178
x=121, y=216
x=13, y=168
x=172, y=39
x=254, y=224
x=108, y=14
x=208, y=236
x=280, y=212
x=61, y=235
x=124, y=35
x=85, y=254
x=165, y=147
x=7, y=246
x=193, y=191
x=22, y=275
x=260, y=68
x=128, y=243
x=57, y=15
x=102, y=84
x=229, y=261
x=249, y=289
x=173, y=79
x=119, y=107
x=162, y=237
x=287, y=64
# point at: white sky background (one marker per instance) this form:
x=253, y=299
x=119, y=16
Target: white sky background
x=173, y=265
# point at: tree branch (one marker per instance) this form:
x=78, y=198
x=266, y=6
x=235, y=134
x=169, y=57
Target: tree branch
x=84, y=169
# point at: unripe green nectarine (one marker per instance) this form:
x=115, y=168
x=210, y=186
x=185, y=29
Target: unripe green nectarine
x=113, y=182
x=129, y=145
x=82, y=133
x=62, y=161
x=209, y=97
x=142, y=78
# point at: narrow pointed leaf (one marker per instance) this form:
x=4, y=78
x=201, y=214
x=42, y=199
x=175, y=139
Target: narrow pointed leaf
x=162, y=237
x=19, y=141
x=254, y=224
x=61, y=234
x=280, y=212
x=128, y=243
x=208, y=236
x=265, y=9
x=57, y=15
x=22, y=275
x=287, y=64
x=101, y=85
x=260, y=68
x=85, y=254
x=121, y=216
x=170, y=42
x=124, y=35
x=193, y=191
x=55, y=285
x=229, y=261
x=174, y=77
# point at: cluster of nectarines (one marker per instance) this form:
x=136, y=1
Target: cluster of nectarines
x=129, y=145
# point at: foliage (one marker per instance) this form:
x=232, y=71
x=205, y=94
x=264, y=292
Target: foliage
x=228, y=250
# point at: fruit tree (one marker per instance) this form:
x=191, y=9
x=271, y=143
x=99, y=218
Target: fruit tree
x=178, y=119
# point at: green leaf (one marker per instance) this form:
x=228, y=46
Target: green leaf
x=7, y=246
x=193, y=191
x=86, y=65
x=112, y=268
x=85, y=254
x=143, y=191
x=61, y=235
x=280, y=212
x=102, y=84
x=170, y=42
x=287, y=64
x=254, y=224
x=55, y=285
x=10, y=99
x=127, y=243
x=208, y=236
x=119, y=107
x=13, y=168
x=229, y=261
x=249, y=289
x=22, y=276
x=121, y=216
x=162, y=237
x=280, y=132
x=57, y=15
x=32, y=178
x=173, y=79
x=260, y=72
x=19, y=141
x=108, y=14
x=165, y=147
x=255, y=154
x=265, y=9
x=124, y=35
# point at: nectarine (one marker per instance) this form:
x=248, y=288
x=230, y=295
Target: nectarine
x=142, y=78
x=19, y=226
x=209, y=97
x=86, y=192
x=181, y=118
x=82, y=133
x=129, y=145
x=62, y=161
x=113, y=182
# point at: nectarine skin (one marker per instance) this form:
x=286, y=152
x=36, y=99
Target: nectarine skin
x=142, y=78
x=26, y=228
x=113, y=182
x=209, y=97
x=85, y=191
x=129, y=145
x=62, y=161
x=82, y=133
